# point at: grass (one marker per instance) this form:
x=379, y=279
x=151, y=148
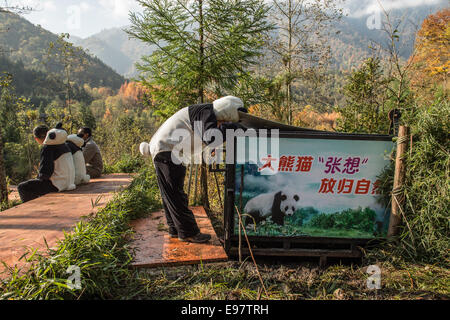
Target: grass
x=8, y=205
x=234, y=281
x=98, y=247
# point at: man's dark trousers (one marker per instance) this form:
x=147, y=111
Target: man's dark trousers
x=180, y=218
x=33, y=189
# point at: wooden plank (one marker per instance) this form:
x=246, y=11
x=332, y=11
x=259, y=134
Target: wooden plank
x=311, y=240
x=278, y=252
x=25, y=227
x=252, y=121
x=154, y=248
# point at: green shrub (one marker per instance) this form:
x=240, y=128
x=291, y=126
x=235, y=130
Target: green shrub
x=126, y=164
x=426, y=230
x=301, y=216
x=360, y=219
x=322, y=220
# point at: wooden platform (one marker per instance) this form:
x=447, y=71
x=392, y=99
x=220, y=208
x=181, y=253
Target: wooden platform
x=154, y=247
x=25, y=226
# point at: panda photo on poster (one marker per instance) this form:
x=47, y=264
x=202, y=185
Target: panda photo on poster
x=314, y=187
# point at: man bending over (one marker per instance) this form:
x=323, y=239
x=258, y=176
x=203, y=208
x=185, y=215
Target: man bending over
x=180, y=219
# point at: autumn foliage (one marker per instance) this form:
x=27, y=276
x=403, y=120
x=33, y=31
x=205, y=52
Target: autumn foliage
x=432, y=59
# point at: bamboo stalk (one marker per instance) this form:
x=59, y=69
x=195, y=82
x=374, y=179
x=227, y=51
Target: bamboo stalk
x=398, y=196
x=218, y=190
x=241, y=225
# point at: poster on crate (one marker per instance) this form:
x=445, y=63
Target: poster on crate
x=313, y=187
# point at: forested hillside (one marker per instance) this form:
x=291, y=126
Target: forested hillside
x=22, y=41
x=354, y=41
x=116, y=49
x=39, y=86
x=350, y=45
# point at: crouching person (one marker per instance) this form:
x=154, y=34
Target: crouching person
x=56, y=169
x=75, y=143
x=171, y=175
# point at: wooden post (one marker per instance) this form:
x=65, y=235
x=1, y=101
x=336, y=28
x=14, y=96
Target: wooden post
x=195, y=184
x=398, y=197
x=191, y=168
x=204, y=186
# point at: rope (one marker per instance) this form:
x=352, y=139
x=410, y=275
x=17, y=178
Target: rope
x=403, y=139
x=250, y=250
x=399, y=192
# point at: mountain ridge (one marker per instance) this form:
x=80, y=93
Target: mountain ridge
x=350, y=47
x=28, y=43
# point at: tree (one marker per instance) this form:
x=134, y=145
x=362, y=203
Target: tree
x=72, y=59
x=5, y=82
x=8, y=127
x=86, y=117
x=432, y=61
x=399, y=95
x=301, y=42
x=3, y=183
x=365, y=110
x=203, y=45
x=5, y=7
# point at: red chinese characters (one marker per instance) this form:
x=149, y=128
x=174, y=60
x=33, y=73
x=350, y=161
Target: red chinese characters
x=288, y=163
x=349, y=186
x=327, y=186
x=304, y=164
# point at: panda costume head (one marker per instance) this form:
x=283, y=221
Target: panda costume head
x=56, y=136
x=227, y=109
x=276, y=205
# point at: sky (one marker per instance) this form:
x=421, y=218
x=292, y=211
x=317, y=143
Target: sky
x=87, y=17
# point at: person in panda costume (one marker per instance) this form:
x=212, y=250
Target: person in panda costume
x=276, y=205
x=221, y=114
x=75, y=143
x=56, y=168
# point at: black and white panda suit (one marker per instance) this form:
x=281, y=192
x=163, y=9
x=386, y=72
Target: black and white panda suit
x=180, y=218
